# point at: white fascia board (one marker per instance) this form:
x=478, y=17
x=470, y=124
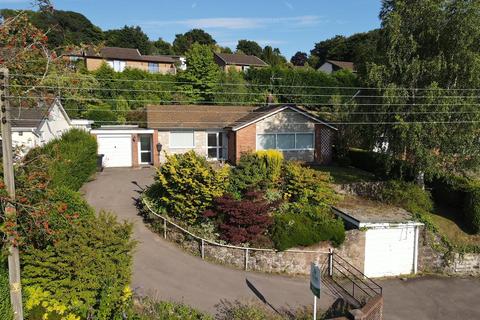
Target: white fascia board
x=121, y=131
x=378, y=225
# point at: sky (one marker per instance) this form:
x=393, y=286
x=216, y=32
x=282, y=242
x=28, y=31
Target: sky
x=291, y=25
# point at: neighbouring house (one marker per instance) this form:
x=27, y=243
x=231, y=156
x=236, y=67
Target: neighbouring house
x=330, y=66
x=239, y=62
x=121, y=58
x=35, y=126
x=83, y=124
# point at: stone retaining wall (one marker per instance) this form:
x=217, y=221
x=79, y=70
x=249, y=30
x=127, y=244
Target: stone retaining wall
x=292, y=263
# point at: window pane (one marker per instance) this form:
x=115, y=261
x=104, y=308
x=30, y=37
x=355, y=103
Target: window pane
x=220, y=139
x=305, y=141
x=145, y=157
x=212, y=152
x=266, y=141
x=182, y=139
x=212, y=139
x=145, y=143
x=285, y=141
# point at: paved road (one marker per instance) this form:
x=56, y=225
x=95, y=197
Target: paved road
x=163, y=270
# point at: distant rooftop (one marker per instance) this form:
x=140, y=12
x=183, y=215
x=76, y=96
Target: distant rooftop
x=241, y=60
x=346, y=65
x=124, y=54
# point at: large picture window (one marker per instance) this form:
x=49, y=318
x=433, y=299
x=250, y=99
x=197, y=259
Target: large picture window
x=285, y=141
x=215, y=146
x=153, y=67
x=182, y=139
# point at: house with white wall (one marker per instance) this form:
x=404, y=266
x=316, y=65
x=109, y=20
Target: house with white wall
x=35, y=126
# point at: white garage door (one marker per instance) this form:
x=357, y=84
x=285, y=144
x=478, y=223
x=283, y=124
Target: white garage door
x=116, y=148
x=390, y=251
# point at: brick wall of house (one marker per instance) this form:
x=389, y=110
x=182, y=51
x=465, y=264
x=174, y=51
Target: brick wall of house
x=135, y=142
x=245, y=141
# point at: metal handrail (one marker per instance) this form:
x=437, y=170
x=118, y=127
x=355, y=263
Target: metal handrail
x=360, y=279
x=354, y=283
x=376, y=284
x=224, y=245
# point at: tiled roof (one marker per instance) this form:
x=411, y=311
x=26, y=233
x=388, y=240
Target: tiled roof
x=241, y=59
x=347, y=65
x=28, y=117
x=118, y=53
x=195, y=116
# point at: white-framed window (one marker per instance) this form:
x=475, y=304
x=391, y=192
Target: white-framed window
x=286, y=141
x=182, y=139
x=153, y=67
x=117, y=65
x=216, y=146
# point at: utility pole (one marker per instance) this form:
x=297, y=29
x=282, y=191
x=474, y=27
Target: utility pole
x=10, y=211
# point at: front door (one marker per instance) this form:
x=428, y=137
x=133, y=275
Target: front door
x=215, y=146
x=145, y=149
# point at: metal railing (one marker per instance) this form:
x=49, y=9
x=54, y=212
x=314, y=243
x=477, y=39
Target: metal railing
x=203, y=241
x=356, y=285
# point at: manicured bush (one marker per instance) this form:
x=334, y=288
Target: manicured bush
x=69, y=160
x=186, y=185
x=242, y=221
x=5, y=307
x=259, y=170
x=87, y=271
x=273, y=160
x=149, y=309
x=302, y=184
x=302, y=224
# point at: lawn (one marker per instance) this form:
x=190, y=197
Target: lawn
x=345, y=175
x=448, y=222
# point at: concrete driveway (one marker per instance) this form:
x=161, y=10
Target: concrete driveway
x=165, y=271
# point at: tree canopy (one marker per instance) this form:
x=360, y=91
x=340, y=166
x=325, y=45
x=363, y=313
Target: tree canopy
x=129, y=37
x=299, y=59
x=431, y=55
x=183, y=42
x=249, y=47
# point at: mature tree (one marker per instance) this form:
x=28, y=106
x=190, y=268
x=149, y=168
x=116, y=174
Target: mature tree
x=183, y=42
x=356, y=48
x=249, y=47
x=162, y=47
x=200, y=79
x=129, y=37
x=63, y=27
x=273, y=56
x=432, y=60
x=299, y=59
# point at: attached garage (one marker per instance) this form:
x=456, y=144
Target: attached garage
x=391, y=236
x=125, y=146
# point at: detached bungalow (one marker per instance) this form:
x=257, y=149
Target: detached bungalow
x=225, y=132
x=32, y=127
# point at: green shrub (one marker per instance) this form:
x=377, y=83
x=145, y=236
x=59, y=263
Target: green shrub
x=273, y=160
x=252, y=311
x=87, y=271
x=5, y=307
x=186, y=185
x=255, y=171
x=472, y=208
x=380, y=164
x=149, y=309
x=406, y=195
x=303, y=184
x=303, y=225
x=70, y=160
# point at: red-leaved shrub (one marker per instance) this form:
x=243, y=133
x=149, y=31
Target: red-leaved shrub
x=242, y=221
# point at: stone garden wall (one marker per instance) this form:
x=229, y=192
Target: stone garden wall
x=294, y=262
